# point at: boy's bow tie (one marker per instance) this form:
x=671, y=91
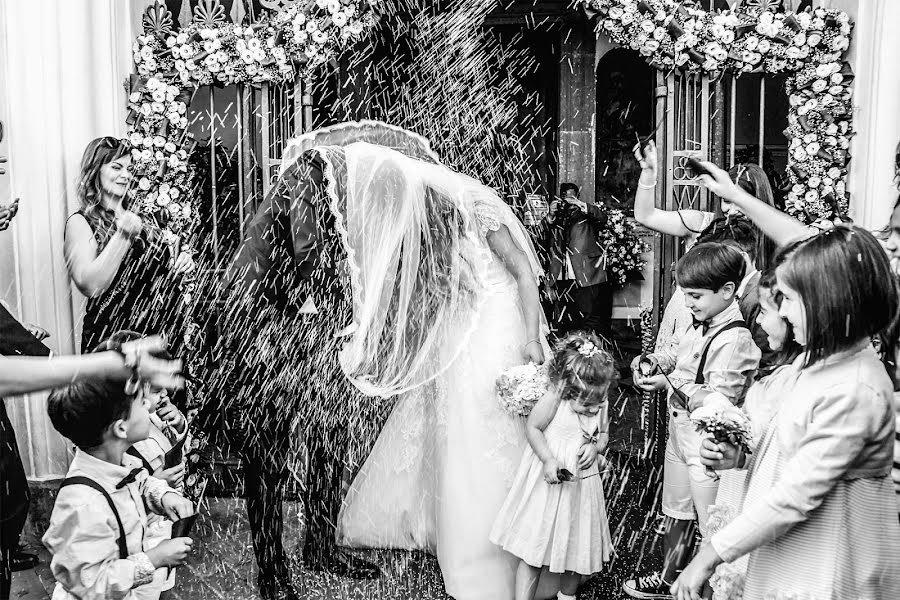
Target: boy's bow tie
x=704, y=324
x=131, y=477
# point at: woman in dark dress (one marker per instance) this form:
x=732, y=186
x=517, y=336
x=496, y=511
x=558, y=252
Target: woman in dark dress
x=123, y=264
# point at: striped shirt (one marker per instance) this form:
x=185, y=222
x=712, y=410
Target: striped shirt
x=895, y=472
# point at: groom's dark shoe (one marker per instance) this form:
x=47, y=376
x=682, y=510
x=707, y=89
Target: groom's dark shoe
x=344, y=564
x=273, y=589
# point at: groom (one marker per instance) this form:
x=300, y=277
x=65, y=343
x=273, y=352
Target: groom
x=280, y=378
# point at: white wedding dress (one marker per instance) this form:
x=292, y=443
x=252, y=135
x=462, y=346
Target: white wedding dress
x=444, y=462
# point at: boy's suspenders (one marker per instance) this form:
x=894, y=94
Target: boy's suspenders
x=701, y=379
x=144, y=462
x=79, y=480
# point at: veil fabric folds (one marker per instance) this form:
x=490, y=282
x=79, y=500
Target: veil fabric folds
x=417, y=253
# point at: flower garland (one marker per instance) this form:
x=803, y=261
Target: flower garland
x=809, y=45
x=622, y=247
x=282, y=47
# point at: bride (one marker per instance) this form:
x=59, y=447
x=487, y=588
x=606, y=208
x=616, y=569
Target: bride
x=444, y=283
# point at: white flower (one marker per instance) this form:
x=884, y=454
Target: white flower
x=174, y=193
x=809, y=137
x=186, y=51
x=237, y=30
x=254, y=45
x=627, y=18
x=170, y=147
x=837, y=78
x=835, y=90
x=182, y=38
x=144, y=184
x=340, y=19
x=311, y=26
x=174, y=208
x=793, y=52
x=209, y=46
x=813, y=40
x=834, y=172
x=158, y=107
x=251, y=69
x=813, y=148
x=162, y=199
x=135, y=139
x=819, y=86
x=159, y=96
x=299, y=19
x=135, y=154
x=171, y=41
x=334, y=6
x=180, y=65
x=211, y=61
x=159, y=141
x=247, y=56
x=764, y=46
x=320, y=37
x=174, y=161
x=647, y=26
x=811, y=196
x=800, y=155
x=158, y=155
x=814, y=182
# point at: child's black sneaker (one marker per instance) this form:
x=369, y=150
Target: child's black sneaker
x=648, y=587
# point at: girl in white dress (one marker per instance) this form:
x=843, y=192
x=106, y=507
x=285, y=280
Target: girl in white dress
x=555, y=513
x=760, y=405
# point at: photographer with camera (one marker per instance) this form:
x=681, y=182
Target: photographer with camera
x=577, y=281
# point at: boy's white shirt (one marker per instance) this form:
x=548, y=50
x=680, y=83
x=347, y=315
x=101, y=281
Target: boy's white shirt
x=83, y=532
x=730, y=364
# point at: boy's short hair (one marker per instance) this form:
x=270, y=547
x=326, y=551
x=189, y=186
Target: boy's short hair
x=709, y=266
x=83, y=410
x=738, y=230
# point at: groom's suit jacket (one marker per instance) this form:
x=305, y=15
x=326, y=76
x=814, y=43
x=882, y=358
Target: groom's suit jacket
x=290, y=255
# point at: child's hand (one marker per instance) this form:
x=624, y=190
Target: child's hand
x=587, y=455
x=173, y=476
x=653, y=383
x=170, y=553
x=721, y=456
x=551, y=471
x=171, y=415
x=176, y=506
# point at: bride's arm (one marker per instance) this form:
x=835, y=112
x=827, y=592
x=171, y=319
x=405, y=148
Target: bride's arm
x=516, y=262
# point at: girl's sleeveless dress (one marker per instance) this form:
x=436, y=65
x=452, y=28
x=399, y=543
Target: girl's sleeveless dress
x=561, y=526
x=142, y=297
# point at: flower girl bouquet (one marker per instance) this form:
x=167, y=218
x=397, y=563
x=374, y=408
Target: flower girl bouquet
x=520, y=387
x=724, y=424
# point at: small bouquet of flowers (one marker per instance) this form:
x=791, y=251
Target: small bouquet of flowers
x=724, y=424
x=520, y=387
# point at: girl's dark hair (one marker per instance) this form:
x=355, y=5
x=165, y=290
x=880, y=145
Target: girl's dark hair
x=752, y=179
x=846, y=286
x=737, y=229
x=82, y=411
x=99, y=152
x=709, y=266
x=790, y=349
x=575, y=370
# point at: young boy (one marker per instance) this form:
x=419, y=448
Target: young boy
x=96, y=533
x=716, y=354
x=739, y=232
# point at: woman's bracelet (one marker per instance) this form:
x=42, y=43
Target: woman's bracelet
x=646, y=187
x=535, y=340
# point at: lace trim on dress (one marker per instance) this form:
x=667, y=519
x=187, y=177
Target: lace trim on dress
x=488, y=219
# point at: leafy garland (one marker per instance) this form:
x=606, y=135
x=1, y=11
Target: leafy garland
x=809, y=45
x=282, y=47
